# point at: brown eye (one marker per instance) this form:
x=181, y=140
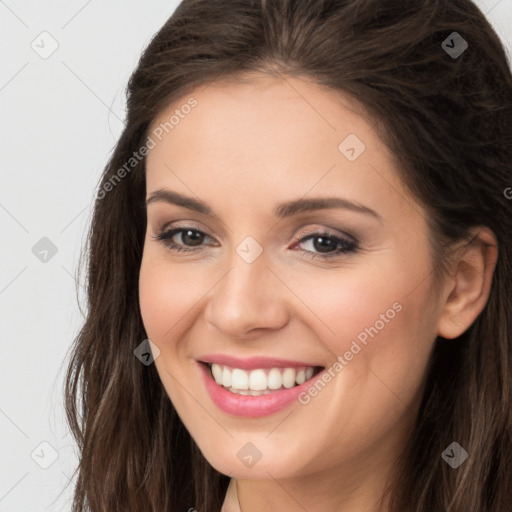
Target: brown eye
x=190, y=238
x=326, y=245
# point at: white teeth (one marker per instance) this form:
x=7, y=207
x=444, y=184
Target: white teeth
x=289, y=378
x=250, y=392
x=239, y=379
x=301, y=377
x=217, y=373
x=259, y=381
x=226, y=377
x=274, y=380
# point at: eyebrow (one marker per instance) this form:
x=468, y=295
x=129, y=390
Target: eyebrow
x=282, y=211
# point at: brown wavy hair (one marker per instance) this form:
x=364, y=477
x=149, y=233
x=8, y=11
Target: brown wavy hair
x=448, y=123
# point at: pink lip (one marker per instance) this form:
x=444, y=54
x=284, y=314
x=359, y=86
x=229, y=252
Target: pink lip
x=248, y=405
x=252, y=363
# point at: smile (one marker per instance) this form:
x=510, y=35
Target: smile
x=255, y=392
x=261, y=380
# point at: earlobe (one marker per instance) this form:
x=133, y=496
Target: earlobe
x=470, y=285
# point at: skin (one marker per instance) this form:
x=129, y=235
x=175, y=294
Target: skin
x=245, y=148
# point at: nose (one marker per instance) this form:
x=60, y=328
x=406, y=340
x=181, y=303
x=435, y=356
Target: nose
x=247, y=299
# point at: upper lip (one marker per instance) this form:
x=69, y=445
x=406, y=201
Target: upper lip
x=252, y=363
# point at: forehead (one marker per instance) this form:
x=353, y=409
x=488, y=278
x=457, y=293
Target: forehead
x=293, y=106
x=264, y=134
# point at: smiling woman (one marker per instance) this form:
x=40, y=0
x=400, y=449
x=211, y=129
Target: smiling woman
x=314, y=262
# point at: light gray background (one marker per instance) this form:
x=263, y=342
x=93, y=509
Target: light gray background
x=60, y=118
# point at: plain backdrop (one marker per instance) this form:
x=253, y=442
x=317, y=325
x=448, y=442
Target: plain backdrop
x=61, y=114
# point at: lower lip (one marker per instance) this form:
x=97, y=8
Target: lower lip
x=247, y=405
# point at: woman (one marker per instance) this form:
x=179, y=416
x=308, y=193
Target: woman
x=299, y=266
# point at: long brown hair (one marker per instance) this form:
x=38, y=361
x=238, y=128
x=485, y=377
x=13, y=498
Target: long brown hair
x=447, y=119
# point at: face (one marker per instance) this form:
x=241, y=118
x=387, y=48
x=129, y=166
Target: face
x=344, y=285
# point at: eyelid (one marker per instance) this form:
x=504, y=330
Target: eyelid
x=303, y=236
x=327, y=231
x=350, y=245
x=315, y=230
x=184, y=224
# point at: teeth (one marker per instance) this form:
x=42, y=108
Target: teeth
x=250, y=392
x=226, y=378
x=289, y=378
x=274, y=380
x=260, y=381
x=301, y=377
x=239, y=378
x=217, y=373
x=257, y=380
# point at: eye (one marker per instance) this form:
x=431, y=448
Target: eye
x=322, y=245
x=189, y=235
x=327, y=245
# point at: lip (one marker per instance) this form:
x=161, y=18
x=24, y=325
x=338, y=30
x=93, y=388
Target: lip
x=253, y=363
x=247, y=405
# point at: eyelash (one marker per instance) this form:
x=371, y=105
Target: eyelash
x=347, y=246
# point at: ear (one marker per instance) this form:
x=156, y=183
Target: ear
x=467, y=291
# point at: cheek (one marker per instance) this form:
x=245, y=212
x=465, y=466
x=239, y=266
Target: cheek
x=166, y=294
x=380, y=350
x=383, y=326
x=347, y=302
x=170, y=294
